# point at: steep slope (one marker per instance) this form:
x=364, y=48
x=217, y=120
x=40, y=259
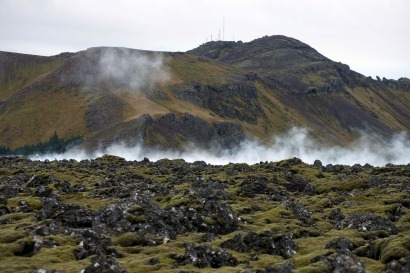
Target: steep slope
x=20, y=70
x=30, y=106
x=217, y=94
x=315, y=91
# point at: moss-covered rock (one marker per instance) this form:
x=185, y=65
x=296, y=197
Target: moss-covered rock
x=142, y=216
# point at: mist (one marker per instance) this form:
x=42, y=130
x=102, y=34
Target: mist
x=367, y=149
x=131, y=69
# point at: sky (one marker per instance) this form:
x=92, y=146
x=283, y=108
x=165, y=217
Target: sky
x=371, y=36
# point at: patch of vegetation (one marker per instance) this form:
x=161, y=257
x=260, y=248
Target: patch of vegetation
x=54, y=145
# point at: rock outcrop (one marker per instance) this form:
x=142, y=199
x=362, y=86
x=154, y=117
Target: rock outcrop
x=235, y=101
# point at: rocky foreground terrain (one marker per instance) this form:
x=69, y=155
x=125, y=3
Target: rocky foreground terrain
x=113, y=215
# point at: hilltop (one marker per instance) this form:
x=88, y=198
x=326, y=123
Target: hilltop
x=220, y=93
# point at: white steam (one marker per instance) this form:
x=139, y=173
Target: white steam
x=295, y=143
x=133, y=69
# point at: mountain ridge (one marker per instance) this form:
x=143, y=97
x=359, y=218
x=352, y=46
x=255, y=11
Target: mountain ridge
x=261, y=88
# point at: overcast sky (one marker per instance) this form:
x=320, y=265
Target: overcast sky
x=371, y=36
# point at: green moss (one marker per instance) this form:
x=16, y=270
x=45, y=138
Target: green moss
x=8, y=235
x=85, y=200
x=318, y=267
x=34, y=202
x=372, y=265
x=309, y=248
x=177, y=200
x=108, y=160
x=403, y=224
x=125, y=239
x=7, y=250
x=63, y=240
x=265, y=260
x=18, y=218
x=392, y=248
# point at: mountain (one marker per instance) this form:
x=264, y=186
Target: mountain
x=220, y=93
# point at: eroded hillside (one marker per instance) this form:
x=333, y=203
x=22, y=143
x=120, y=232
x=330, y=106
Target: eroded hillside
x=219, y=93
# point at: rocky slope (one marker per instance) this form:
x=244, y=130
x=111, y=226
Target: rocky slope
x=219, y=93
x=112, y=215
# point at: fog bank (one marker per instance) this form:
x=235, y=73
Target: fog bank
x=367, y=149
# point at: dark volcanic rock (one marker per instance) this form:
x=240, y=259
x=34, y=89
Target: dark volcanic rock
x=282, y=268
x=154, y=261
x=368, y=222
x=398, y=266
x=142, y=215
x=23, y=206
x=40, y=180
x=4, y=210
x=235, y=169
x=298, y=184
x=268, y=243
x=203, y=256
x=333, y=168
x=300, y=211
x=131, y=133
x=104, y=264
x=341, y=245
x=253, y=185
x=342, y=263
x=224, y=219
x=268, y=52
x=170, y=130
x=93, y=242
x=100, y=112
x=336, y=215
x=43, y=191
x=226, y=134
x=26, y=249
x=73, y=216
x=236, y=100
x=208, y=189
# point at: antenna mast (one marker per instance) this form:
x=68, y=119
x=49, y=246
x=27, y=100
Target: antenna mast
x=223, y=28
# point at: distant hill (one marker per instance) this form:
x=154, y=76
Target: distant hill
x=217, y=94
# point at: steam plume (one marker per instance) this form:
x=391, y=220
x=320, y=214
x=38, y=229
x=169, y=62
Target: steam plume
x=129, y=69
x=295, y=143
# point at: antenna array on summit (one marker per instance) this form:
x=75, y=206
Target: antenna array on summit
x=219, y=33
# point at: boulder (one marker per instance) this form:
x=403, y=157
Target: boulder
x=341, y=245
x=395, y=266
x=104, y=264
x=214, y=190
x=266, y=243
x=368, y=222
x=204, y=256
x=342, y=263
